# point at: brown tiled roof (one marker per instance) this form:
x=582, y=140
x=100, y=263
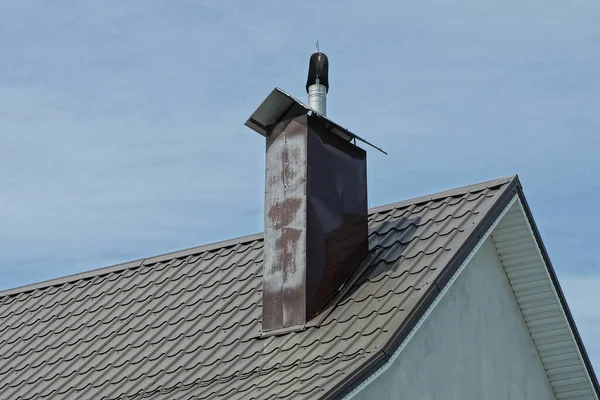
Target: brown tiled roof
x=186, y=325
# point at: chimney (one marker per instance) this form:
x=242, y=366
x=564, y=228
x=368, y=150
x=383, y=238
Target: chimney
x=315, y=203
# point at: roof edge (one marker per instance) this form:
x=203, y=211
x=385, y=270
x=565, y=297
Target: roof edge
x=129, y=265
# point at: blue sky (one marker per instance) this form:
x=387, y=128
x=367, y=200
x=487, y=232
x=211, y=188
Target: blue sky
x=121, y=123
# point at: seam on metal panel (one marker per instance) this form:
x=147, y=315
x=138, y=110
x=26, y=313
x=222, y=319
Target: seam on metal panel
x=423, y=318
x=557, y=291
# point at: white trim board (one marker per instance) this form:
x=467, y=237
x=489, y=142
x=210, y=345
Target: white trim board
x=540, y=304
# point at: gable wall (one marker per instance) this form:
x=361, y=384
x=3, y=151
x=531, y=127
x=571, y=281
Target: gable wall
x=474, y=345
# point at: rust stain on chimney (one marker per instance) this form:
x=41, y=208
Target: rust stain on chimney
x=285, y=220
x=282, y=214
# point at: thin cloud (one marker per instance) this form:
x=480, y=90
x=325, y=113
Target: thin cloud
x=121, y=124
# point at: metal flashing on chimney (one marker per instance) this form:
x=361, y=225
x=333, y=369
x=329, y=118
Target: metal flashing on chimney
x=279, y=105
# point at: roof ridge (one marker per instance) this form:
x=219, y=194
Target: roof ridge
x=447, y=193
x=235, y=241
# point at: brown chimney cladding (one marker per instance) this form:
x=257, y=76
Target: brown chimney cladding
x=315, y=218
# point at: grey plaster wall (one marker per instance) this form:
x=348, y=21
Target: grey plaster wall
x=474, y=345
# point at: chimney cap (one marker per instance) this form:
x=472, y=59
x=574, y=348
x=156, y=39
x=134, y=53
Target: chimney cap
x=318, y=70
x=279, y=105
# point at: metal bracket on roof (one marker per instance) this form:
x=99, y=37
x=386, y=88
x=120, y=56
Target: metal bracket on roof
x=283, y=331
x=352, y=135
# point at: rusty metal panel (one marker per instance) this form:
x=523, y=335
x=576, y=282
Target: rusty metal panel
x=284, y=273
x=337, y=213
x=315, y=218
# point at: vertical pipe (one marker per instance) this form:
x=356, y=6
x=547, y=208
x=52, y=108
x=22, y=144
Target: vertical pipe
x=317, y=98
x=317, y=83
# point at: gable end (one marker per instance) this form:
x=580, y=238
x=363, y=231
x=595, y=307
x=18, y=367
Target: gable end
x=536, y=289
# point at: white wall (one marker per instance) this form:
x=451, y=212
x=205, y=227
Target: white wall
x=474, y=345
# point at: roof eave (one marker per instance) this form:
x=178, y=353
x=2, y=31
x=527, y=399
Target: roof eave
x=559, y=291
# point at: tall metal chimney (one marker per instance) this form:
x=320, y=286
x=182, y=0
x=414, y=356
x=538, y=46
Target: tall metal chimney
x=315, y=204
x=317, y=84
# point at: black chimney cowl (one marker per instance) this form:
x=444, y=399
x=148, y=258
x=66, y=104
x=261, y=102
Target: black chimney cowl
x=318, y=68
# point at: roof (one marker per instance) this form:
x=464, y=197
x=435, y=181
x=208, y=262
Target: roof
x=187, y=325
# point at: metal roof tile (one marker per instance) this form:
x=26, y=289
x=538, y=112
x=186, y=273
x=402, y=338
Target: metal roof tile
x=187, y=323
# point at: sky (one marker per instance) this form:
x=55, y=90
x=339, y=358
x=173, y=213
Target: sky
x=122, y=136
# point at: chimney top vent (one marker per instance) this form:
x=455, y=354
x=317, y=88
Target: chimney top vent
x=318, y=70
